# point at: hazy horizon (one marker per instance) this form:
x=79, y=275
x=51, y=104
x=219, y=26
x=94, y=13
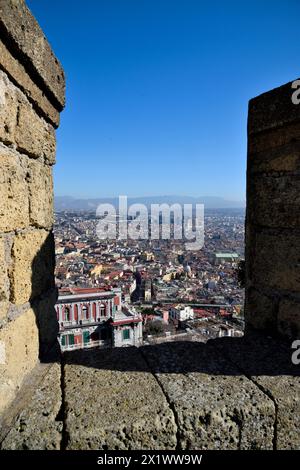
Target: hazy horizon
x=146, y=196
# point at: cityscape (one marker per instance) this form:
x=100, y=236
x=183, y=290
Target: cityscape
x=134, y=292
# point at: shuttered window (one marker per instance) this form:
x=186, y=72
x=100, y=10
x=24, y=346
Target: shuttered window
x=126, y=334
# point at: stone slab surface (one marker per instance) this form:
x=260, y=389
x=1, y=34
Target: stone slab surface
x=113, y=401
x=269, y=364
x=216, y=406
x=231, y=393
x=38, y=425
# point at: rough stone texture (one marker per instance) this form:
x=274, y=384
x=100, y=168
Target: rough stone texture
x=40, y=185
x=112, y=401
x=33, y=135
x=33, y=265
x=20, y=339
x=216, y=406
x=5, y=246
x=4, y=306
x=262, y=146
x=280, y=271
x=38, y=425
x=17, y=74
x=8, y=110
x=231, y=393
x=261, y=310
x=288, y=318
x=31, y=97
x=22, y=126
x=26, y=39
x=14, y=205
x=280, y=159
x=272, y=110
x=273, y=214
x=4, y=282
x=280, y=192
x=269, y=365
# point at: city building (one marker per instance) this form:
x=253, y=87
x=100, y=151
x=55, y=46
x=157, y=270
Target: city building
x=181, y=313
x=96, y=318
x=220, y=258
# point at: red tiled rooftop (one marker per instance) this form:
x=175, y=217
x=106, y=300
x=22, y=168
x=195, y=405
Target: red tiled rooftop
x=82, y=290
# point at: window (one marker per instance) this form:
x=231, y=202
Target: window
x=94, y=311
x=76, y=313
x=67, y=314
x=63, y=340
x=86, y=337
x=102, y=310
x=85, y=312
x=126, y=334
x=71, y=340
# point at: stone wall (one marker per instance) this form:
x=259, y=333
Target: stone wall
x=32, y=90
x=273, y=214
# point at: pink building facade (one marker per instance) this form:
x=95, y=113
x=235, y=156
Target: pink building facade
x=96, y=318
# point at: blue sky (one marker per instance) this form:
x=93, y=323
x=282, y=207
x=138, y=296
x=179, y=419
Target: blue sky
x=157, y=90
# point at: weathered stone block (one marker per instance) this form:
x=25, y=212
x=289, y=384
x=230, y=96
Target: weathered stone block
x=4, y=306
x=18, y=74
x=276, y=260
x=113, y=401
x=37, y=426
x=8, y=110
x=19, y=341
x=274, y=138
x=268, y=363
x=284, y=159
x=25, y=34
x=5, y=248
x=33, y=135
x=216, y=406
x=4, y=281
x=260, y=310
x=274, y=200
x=272, y=109
x=14, y=206
x=33, y=265
x=40, y=183
x=289, y=318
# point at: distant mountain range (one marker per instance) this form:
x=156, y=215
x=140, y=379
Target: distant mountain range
x=68, y=203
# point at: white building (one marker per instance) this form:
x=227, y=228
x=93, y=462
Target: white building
x=181, y=313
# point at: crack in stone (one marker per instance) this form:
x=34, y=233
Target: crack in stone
x=265, y=392
x=61, y=416
x=171, y=405
x=270, y=396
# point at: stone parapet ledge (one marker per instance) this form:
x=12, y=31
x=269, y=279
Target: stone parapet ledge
x=241, y=393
